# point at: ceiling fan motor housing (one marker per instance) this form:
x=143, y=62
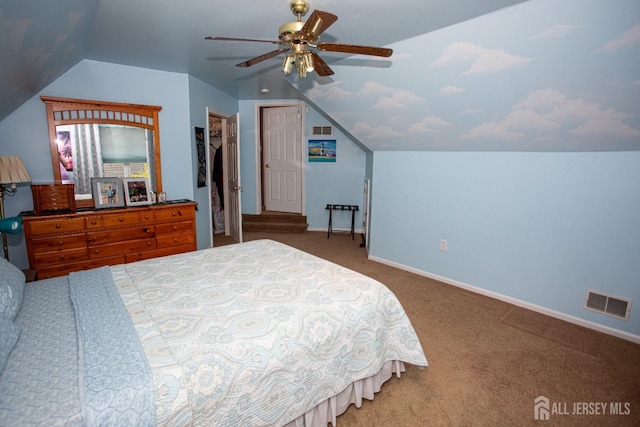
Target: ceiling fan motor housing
x=286, y=31
x=299, y=7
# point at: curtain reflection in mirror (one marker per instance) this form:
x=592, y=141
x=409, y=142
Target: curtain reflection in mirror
x=86, y=151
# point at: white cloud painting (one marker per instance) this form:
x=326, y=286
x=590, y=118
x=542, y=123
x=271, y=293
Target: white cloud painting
x=540, y=75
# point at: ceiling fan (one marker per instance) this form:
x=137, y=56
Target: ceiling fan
x=299, y=36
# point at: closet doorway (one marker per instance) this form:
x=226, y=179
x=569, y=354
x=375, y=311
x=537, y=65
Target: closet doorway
x=216, y=174
x=224, y=176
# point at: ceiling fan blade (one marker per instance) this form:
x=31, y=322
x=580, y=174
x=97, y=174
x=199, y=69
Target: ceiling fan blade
x=316, y=24
x=261, y=58
x=355, y=49
x=234, y=39
x=320, y=66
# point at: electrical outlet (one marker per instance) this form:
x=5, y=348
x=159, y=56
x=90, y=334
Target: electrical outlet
x=443, y=245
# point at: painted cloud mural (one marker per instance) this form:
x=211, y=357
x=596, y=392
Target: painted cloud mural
x=542, y=75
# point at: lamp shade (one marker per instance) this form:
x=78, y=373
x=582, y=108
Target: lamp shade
x=11, y=225
x=12, y=170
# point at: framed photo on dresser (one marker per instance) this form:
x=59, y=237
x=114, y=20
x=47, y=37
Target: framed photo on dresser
x=137, y=191
x=107, y=192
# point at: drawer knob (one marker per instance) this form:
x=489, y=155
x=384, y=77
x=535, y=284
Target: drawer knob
x=174, y=213
x=58, y=225
x=175, y=228
x=121, y=219
x=96, y=252
x=148, y=243
x=61, y=256
x=146, y=217
x=93, y=221
x=60, y=242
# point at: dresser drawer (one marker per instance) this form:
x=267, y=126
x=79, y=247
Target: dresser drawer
x=175, y=213
x=120, y=235
x=57, y=243
x=121, y=219
x=174, y=240
x=172, y=250
x=94, y=222
x=55, y=226
x=121, y=248
x=60, y=257
x=147, y=217
x=174, y=228
x=62, y=269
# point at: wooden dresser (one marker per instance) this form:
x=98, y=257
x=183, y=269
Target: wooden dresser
x=63, y=242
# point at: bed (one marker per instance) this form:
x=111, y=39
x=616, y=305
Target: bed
x=252, y=334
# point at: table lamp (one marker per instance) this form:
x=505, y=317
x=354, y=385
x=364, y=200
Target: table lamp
x=12, y=172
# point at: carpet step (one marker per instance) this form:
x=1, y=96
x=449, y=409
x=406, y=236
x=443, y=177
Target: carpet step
x=275, y=222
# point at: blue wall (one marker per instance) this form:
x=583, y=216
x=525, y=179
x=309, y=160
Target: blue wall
x=24, y=132
x=202, y=96
x=341, y=182
x=537, y=227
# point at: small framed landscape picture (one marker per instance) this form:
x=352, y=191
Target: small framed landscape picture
x=107, y=192
x=322, y=150
x=136, y=191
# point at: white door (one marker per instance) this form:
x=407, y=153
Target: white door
x=282, y=159
x=232, y=171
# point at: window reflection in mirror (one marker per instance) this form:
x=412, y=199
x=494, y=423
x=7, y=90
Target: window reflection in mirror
x=90, y=139
x=103, y=150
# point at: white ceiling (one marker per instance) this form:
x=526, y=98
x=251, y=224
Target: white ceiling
x=42, y=40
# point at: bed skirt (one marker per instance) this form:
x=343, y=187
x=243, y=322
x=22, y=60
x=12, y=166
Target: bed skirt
x=328, y=410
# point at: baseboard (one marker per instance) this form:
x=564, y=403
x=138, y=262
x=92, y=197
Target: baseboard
x=533, y=307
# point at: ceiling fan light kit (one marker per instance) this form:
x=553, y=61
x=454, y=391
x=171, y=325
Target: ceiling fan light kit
x=300, y=37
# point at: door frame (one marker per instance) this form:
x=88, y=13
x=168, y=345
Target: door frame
x=258, y=106
x=223, y=118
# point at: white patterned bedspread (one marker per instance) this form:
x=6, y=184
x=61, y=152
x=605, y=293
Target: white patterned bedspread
x=255, y=334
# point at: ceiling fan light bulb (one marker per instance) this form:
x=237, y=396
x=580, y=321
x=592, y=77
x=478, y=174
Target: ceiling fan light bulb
x=307, y=62
x=287, y=64
x=302, y=71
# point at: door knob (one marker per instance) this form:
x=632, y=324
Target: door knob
x=267, y=166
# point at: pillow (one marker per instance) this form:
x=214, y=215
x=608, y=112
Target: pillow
x=11, y=288
x=9, y=333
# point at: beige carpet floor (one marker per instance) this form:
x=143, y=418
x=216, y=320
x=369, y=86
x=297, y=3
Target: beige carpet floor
x=488, y=360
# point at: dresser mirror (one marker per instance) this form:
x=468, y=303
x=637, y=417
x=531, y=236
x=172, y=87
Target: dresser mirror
x=92, y=139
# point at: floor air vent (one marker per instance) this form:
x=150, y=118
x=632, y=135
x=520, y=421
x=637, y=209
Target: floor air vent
x=608, y=304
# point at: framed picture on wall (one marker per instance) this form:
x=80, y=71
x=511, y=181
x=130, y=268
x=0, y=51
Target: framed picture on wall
x=136, y=191
x=107, y=192
x=322, y=150
x=202, y=157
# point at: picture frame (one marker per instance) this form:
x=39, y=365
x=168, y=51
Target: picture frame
x=322, y=150
x=107, y=192
x=137, y=191
x=202, y=157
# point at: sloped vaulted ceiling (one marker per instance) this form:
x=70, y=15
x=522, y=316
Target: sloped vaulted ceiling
x=553, y=75
x=42, y=40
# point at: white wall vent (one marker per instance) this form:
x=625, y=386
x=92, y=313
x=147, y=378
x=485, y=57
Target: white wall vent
x=322, y=130
x=608, y=304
